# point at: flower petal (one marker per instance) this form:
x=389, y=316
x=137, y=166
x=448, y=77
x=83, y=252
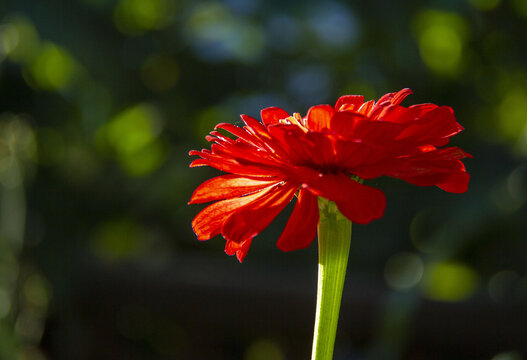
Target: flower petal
x=228, y=186
x=349, y=102
x=238, y=249
x=431, y=167
x=244, y=154
x=394, y=98
x=301, y=228
x=218, y=138
x=345, y=123
x=367, y=204
x=313, y=148
x=359, y=203
x=209, y=221
x=199, y=162
x=272, y=115
x=401, y=114
x=240, y=133
x=255, y=127
x=260, y=131
x=366, y=107
x=457, y=181
x=232, y=166
x=254, y=217
x=319, y=117
x=433, y=127
x=361, y=128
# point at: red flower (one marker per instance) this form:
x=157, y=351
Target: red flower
x=327, y=153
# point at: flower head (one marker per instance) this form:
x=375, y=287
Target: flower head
x=327, y=153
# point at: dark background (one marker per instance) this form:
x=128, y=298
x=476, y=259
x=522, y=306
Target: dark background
x=100, y=102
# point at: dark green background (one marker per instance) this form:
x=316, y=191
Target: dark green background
x=100, y=102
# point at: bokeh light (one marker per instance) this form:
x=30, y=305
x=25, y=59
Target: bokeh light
x=441, y=37
x=403, y=270
x=449, y=281
x=309, y=84
x=335, y=25
x=216, y=35
x=23, y=42
x=8, y=39
x=133, y=135
x=284, y=34
x=136, y=16
x=512, y=113
x=53, y=68
x=502, y=286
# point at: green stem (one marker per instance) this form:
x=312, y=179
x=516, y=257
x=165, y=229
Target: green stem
x=334, y=238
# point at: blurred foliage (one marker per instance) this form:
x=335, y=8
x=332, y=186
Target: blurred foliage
x=100, y=101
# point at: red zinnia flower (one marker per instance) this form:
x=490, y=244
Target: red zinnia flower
x=327, y=153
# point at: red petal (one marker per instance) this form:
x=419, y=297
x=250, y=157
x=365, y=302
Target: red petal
x=240, y=133
x=257, y=215
x=290, y=140
x=367, y=204
x=422, y=169
x=301, y=228
x=209, y=221
x=345, y=123
x=353, y=100
x=272, y=115
x=395, y=98
x=232, y=166
x=432, y=127
x=355, y=126
x=313, y=148
x=377, y=133
x=260, y=131
x=217, y=140
x=389, y=103
x=319, y=117
x=255, y=126
x=220, y=135
x=351, y=154
x=227, y=186
x=240, y=249
x=366, y=107
x=457, y=182
x=412, y=113
x=359, y=203
x=400, y=96
x=199, y=162
x=244, y=154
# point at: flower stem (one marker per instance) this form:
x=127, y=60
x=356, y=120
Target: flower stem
x=334, y=238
